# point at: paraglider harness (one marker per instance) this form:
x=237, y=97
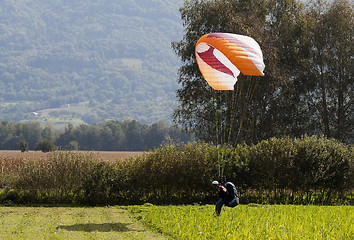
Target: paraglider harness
x=233, y=199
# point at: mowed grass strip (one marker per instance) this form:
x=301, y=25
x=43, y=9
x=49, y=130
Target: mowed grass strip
x=250, y=221
x=70, y=223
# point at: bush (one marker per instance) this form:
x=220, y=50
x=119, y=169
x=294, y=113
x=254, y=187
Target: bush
x=23, y=145
x=269, y=164
x=45, y=146
x=72, y=146
x=305, y=164
x=174, y=169
x=307, y=170
x=98, y=186
x=322, y=164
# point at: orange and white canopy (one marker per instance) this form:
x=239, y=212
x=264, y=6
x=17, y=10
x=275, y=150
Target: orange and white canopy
x=222, y=56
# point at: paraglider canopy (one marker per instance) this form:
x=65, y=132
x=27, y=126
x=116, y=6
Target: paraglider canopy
x=222, y=56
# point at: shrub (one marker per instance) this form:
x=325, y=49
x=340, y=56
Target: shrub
x=23, y=145
x=305, y=170
x=72, y=146
x=174, y=169
x=322, y=164
x=98, y=184
x=45, y=146
x=269, y=166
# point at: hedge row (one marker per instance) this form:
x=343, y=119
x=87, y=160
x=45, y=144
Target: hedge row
x=307, y=170
x=299, y=165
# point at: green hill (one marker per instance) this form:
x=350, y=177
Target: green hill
x=88, y=60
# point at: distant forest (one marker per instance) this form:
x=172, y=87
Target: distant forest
x=100, y=56
x=109, y=135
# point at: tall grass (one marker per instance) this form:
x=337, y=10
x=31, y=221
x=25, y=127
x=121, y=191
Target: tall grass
x=58, y=177
x=9, y=166
x=250, y=221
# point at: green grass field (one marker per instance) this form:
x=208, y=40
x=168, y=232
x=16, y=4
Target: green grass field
x=178, y=222
x=70, y=223
x=250, y=222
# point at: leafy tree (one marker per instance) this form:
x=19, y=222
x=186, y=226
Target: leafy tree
x=284, y=55
x=307, y=87
x=7, y=131
x=113, y=135
x=23, y=145
x=73, y=145
x=340, y=21
x=89, y=137
x=32, y=133
x=329, y=86
x=67, y=136
x=134, y=139
x=45, y=145
x=249, y=115
x=48, y=133
x=155, y=134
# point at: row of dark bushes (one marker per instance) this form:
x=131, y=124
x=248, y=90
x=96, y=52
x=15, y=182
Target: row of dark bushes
x=311, y=170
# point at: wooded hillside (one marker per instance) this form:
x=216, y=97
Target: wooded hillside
x=97, y=56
